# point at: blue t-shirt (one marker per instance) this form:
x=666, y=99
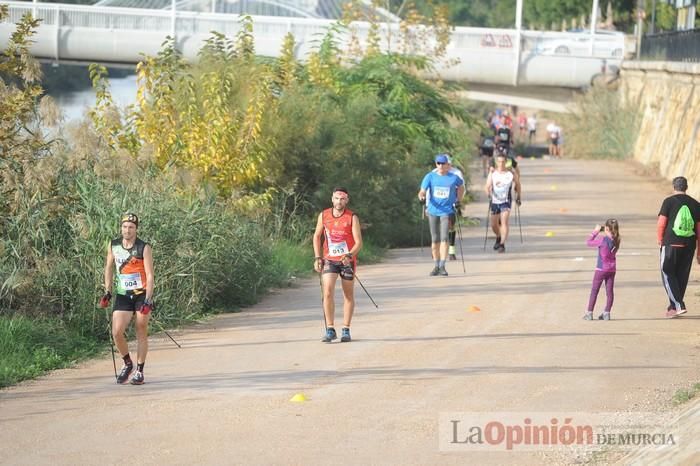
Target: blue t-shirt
x=443, y=192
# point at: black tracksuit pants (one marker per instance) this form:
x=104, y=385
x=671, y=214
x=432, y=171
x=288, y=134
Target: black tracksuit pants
x=675, y=271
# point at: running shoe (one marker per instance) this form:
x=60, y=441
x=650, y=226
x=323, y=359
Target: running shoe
x=330, y=335
x=442, y=272
x=124, y=373
x=604, y=316
x=345, y=335
x=588, y=316
x=671, y=313
x=137, y=378
x=501, y=248
x=453, y=257
x=497, y=244
x=435, y=271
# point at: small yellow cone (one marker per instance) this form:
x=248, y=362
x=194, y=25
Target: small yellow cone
x=549, y=234
x=299, y=398
x=474, y=308
x=553, y=187
x=563, y=209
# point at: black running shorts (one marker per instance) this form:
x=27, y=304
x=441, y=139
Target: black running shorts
x=346, y=272
x=130, y=303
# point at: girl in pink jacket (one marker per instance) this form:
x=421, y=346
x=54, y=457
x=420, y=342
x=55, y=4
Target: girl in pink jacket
x=608, y=244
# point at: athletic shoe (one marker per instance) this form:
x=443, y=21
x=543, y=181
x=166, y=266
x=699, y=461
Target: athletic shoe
x=345, y=335
x=674, y=313
x=137, y=378
x=501, y=248
x=330, y=335
x=497, y=244
x=435, y=271
x=604, y=316
x=588, y=316
x=453, y=257
x=442, y=272
x=124, y=374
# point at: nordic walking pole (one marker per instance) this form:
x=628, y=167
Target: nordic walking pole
x=365, y=290
x=461, y=251
x=156, y=321
x=520, y=226
x=422, y=224
x=488, y=215
x=111, y=343
x=323, y=309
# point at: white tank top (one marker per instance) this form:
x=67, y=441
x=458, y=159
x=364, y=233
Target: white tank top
x=500, y=182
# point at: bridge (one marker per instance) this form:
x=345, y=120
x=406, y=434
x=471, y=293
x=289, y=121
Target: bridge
x=120, y=35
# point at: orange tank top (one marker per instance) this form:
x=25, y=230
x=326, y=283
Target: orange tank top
x=338, y=234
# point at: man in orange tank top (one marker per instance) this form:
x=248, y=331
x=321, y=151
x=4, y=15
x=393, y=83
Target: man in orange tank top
x=132, y=259
x=337, y=240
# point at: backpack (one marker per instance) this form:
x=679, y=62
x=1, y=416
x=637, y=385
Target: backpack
x=684, y=225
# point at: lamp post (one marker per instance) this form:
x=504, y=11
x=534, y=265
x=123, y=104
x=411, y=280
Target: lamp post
x=173, y=18
x=594, y=22
x=518, y=38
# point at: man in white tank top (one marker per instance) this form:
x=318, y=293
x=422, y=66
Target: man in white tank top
x=498, y=188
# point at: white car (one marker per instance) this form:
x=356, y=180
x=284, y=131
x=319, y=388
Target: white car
x=577, y=42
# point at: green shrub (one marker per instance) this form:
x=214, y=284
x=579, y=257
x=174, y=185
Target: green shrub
x=600, y=126
x=30, y=347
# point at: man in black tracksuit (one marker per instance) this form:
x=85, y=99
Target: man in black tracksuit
x=677, y=234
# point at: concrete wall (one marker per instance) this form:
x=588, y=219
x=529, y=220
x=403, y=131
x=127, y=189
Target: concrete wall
x=668, y=98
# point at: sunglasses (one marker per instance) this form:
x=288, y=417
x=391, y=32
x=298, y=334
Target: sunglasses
x=440, y=163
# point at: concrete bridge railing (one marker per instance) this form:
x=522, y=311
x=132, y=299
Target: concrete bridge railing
x=495, y=56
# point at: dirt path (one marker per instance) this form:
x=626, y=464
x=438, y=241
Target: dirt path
x=224, y=397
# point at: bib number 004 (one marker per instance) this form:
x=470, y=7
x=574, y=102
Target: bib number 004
x=131, y=281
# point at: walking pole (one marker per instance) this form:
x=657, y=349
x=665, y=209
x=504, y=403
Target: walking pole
x=459, y=230
x=365, y=290
x=111, y=343
x=323, y=309
x=488, y=214
x=422, y=225
x=517, y=205
x=156, y=321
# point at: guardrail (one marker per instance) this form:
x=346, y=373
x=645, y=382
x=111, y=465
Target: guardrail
x=682, y=46
x=498, y=56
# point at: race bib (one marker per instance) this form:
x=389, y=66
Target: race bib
x=441, y=192
x=131, y=281
x=338, y=249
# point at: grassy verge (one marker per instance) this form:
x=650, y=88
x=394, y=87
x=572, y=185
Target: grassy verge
x=31, y=347
x=685, y=395
x=600, y=125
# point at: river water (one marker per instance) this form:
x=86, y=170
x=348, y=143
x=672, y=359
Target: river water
x=75, y=104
